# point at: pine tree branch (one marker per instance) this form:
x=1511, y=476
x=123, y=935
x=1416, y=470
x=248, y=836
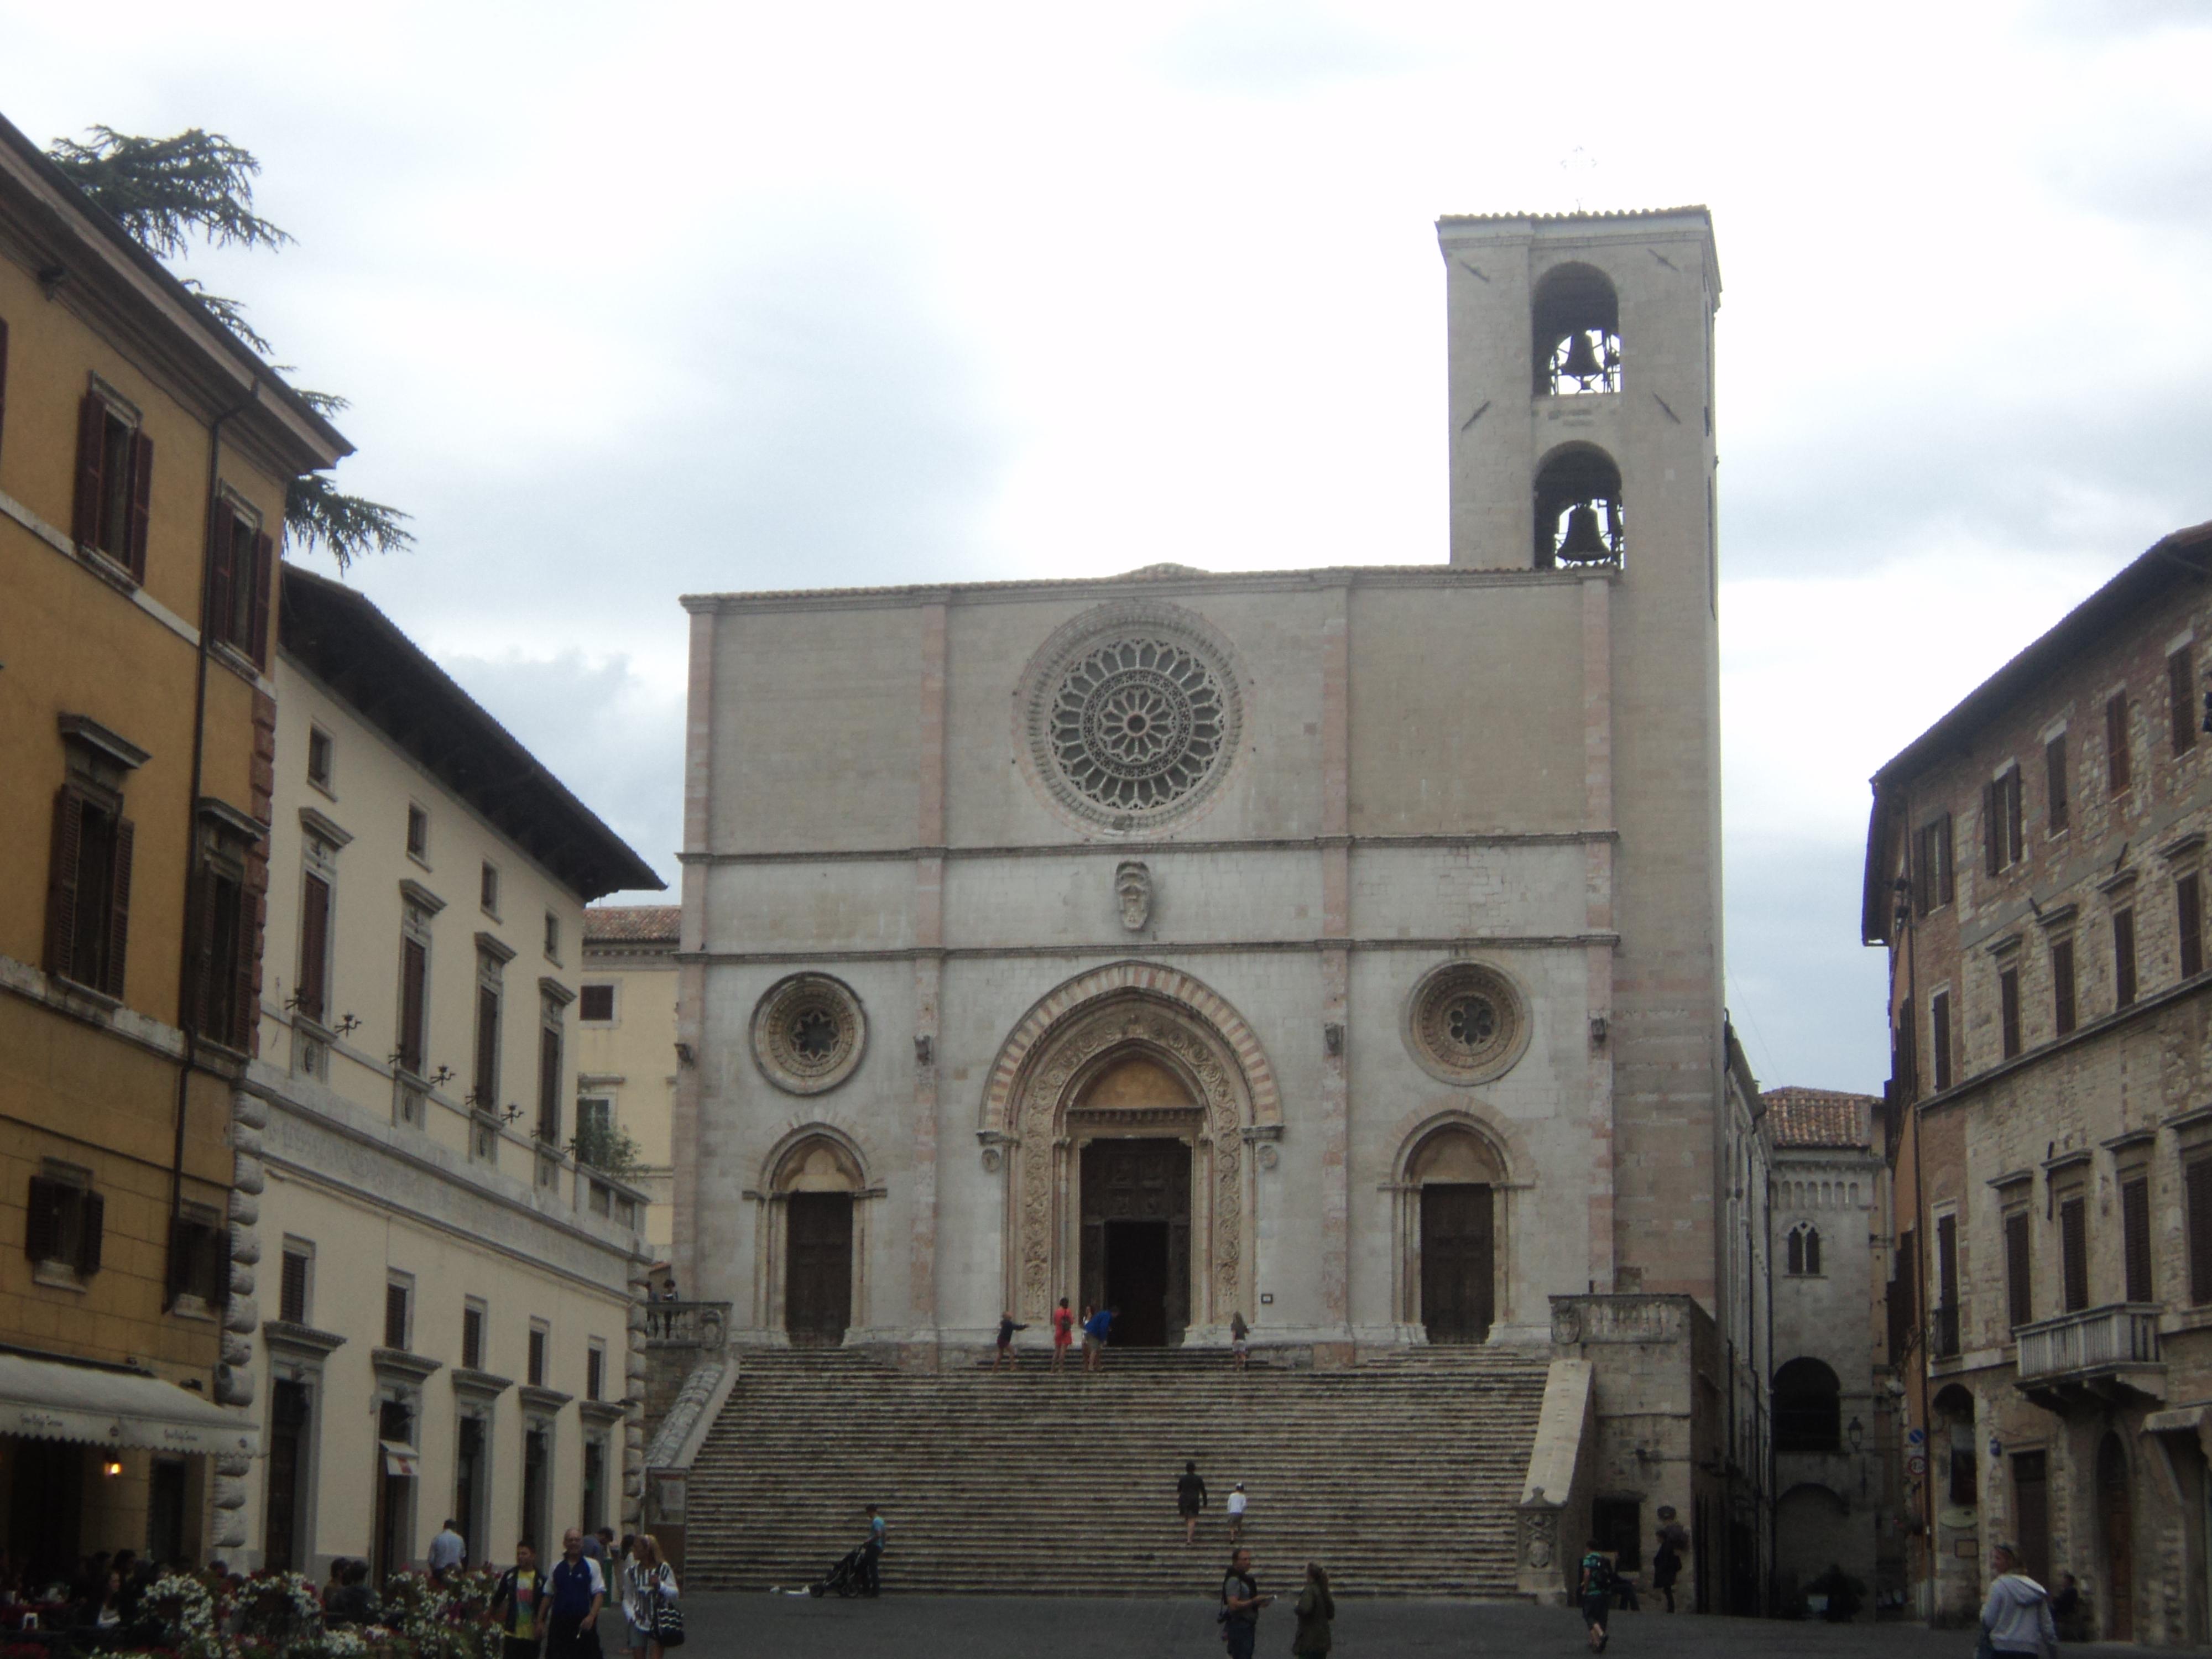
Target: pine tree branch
x=230, y=313
x=319, y=514
x=162, y=189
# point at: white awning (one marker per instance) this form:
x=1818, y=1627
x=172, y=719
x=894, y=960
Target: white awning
x=53, y=1400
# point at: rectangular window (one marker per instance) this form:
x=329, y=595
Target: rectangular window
x=595, y=1368
x=489, y=894
x=596, y=1004
x=2189, y=906
x=199, y=1257
x=536, y=1372
x=2020, y=1292
x=2181, y=700
x=549, y=1073
x=398, y=1307
x=292, y=1300
x=553, y=936
x=485, y=1094
x=414, y=1009
x=114, y=482
x=2059, y=811
x=1939, y=1037
x=88, y=890
x=2061, y=985
x=418, y=835
x=2196, y=1184
x=2124, y=958
x=223, y=1005
x=2119, y=764
x=2000, y=821
x=314, y=948
x=2074, y=1250
x=473, y=1336
x=2008, y=1010
x=1903, y=1296
x=1945, y=1338
x=595, y=1485
x=242, y=565
x=1934, y=882
x=66, y=1222
x=319, y=758
x=2135, y=1235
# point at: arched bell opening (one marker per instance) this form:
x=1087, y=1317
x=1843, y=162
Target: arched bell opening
x=1579, y=517
x=1452, y=1188
x=1577, y=332
x=814, y=1276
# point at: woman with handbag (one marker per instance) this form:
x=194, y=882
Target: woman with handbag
x=656, y=1623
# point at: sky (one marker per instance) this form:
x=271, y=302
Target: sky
x=633, y=302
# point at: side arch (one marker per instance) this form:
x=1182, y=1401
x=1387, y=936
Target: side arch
x=1464, y=1150
x=823, y=1169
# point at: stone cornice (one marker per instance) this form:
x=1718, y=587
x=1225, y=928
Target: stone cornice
x=479, y=1385
x=398, y=1361
x=547, y=1402
x=1133, y=846
x=1165, y=948
x=299, y=1341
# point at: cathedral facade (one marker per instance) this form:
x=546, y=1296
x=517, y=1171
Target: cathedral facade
x=1340, y=947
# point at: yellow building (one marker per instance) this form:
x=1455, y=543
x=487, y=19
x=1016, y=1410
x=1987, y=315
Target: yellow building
x=144, y=458
x=626, y=1043
x=454, y=1292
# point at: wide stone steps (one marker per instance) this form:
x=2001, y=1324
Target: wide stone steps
x=1401, y=1473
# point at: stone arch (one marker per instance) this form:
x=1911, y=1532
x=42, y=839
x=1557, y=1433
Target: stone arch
x=809, y=1161
x=1069, y=1040
x=1462, y=1148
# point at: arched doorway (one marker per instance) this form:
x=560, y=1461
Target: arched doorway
x=1135, y=1125
x=2116, y=1538
x=1807, y=1408
x=1452, y=1179
x=814, y=1187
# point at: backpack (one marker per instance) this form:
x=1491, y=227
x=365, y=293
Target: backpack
x=1597, y=1574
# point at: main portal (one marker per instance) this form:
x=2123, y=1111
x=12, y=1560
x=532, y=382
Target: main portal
x=1136, y=1237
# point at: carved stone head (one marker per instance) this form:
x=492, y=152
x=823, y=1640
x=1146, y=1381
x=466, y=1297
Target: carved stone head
x=1133, y=886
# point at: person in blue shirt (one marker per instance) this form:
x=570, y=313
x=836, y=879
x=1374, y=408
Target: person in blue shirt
x=574, y=1591
x=1096, y=1330
x=872, y=1554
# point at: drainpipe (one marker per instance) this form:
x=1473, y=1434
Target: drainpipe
x=185, y=949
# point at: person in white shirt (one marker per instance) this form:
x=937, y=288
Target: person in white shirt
x=647, y=1581
x=1236, y=1502
x=448, y=1550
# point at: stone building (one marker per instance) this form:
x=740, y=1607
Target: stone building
x=449, y=1294
x=1827, y=1206
x=626, y=1044
x=145, y=452
x=1340, y=948
x=2035, y=869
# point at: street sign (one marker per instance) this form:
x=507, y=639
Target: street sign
x=1916, y=1437
x=1916, y=1464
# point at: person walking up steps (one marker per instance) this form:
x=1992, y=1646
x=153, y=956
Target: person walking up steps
x=1240, y=1339
x=1241, y=1602
x=1316, y=1610
x=1063, y=1333
x=1096, y=1331
x=1006, y=1329
x=1594, y=1591
x=1190, y=1499
x=1236, y=1503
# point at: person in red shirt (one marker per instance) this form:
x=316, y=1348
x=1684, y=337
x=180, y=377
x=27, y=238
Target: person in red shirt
x=1063, y=1333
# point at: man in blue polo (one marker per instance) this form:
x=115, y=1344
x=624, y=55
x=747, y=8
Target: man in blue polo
x=574, y=1590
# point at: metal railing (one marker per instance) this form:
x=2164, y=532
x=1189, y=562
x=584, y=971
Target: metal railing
x=2122, y=1334
x=1943, y=1332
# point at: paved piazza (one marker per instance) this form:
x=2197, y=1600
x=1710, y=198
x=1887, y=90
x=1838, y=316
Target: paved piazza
x=1011, y=1627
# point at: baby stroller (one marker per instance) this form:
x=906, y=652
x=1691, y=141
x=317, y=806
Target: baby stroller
x=846, y=1579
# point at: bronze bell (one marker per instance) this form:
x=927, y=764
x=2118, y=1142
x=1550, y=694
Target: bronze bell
x=1584, y=541
x=1582, y=361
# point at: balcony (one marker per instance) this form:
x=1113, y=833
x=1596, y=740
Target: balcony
x=1943, y=1331
x=2108, y=1354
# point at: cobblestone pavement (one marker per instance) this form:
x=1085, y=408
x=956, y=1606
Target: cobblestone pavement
x=1027, y=1627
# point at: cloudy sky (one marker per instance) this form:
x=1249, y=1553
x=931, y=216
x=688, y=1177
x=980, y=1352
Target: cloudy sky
x=638, y=300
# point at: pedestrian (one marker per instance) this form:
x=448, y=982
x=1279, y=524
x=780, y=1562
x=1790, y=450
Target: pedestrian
x=2016, y=1618
x=335, y=1582
x=1096, y=1330
x=596, y=1547
x=448, y=1550
x=1007, y=1327
x=354, y=1603
x=1063, y=1328
x=1317, y=1609
x=515, y=1603
x=1190, y=1499
x=1666, y=1566
x=649, y=1584
x=1237, y=1501
x=1241, y=1602
x=872, y=1554
x=1594, y=1591
x=1240, y=1342
x=2066, y=1608
x=574, y=1591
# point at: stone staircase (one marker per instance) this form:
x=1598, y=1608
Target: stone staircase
x=1398, y=1473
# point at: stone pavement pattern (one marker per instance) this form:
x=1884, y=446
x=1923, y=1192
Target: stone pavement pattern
x=1024, y=1627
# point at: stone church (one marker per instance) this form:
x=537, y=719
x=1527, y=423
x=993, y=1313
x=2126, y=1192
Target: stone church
x=1337, y=947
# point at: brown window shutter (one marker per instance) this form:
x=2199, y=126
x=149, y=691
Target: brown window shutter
x=1939, y=1039
x=2189, y=904
x=2181, y=698
x=3, y=380
x=395, y=1317
x=1993, y=831
x=2119, y=764
x=2062, y=986
x=314, y=945
x=180, y=1257
x=62, y=872
x=93, y=1222
x=1924, y=871
x=2059, y=809
x=91, y=429
x=265, y=561
x=2124, y=957
x=548, y=1084
x=2198, y=1182
x=2015, y=845
x=292, y=1296
x=2074, y=1252
x=413, y=971
x=220, y=577
x=2135, y=1236
x=118, y=911
x=42, y=1226
x=246, y=999
x=2020, y=1291
x=1948, y=888
x=142, y=500
x=487, y=1068
x=2008, y=1010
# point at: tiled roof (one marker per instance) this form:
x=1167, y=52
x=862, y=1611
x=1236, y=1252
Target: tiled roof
x=1818, y=1117
x=632, y=924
